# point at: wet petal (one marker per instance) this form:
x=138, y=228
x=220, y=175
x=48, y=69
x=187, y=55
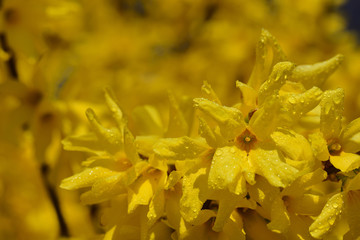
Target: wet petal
x=346, y=161
x=129, y=147
x=276, y=80
x=230, y=120
x=316, y=74
x=111, y=136
x=328, y=217
x=265, y=120
x=86, y=178
x=269, y=164
x=296, y=105
x=264, y=60
x=180, y=148
x=194, y=194
x=225, y=167
x=113, y=105
x=319, y=146
x=85, y=143
x=209, y=93
x=103, y=189
x=206, y=132
x=332, y=107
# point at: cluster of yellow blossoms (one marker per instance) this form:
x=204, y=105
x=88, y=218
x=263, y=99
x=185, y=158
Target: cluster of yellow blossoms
x=261, y=169
x=180, y=150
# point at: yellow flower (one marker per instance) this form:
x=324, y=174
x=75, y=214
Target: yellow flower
x=340, y=216
x=336, y=142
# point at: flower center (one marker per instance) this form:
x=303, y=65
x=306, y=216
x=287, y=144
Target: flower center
x=334, y=149
x=245, y=141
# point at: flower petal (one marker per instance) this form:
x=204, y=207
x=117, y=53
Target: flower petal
x=148, y=120
x=180, y=148
x=280, y=220
x=248, y=94
x=296, y=105
x=276, y=80
x=206, y=132
x=346, y=161
x=316, y=74
x=270, y=164
x=178, y=126
x=230, y=120
x=264, y=60
x=86, y=178
x=328, y=217
x=194, y=194
x=300, y=185
x=353, y=212
x=225, y=167
x=332, y=107
x=265, y=120
x=350, y=137
x=319, y=146
x=209, y=93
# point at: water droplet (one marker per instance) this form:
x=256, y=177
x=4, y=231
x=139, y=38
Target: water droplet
x=335, y=205
x=292, y=100
x=232, y=150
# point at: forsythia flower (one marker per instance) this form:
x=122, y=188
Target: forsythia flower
x=249, y=164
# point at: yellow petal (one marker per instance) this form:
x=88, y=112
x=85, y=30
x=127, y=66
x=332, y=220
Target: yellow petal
x=174, y=177
x=86, y=178
x=233, y=229
x=328, y=217
x=265, y=120
x=209, y=93
x=157, y=203
x=316, y=74
x=350, y=137
x=332, y=107
x=180, y=148
x=248, y=94
x=280, y=220
x=145, y=144
x=142, y=190
x=230, y=120
x=301, y=184
x=103, y=189
x=353, y=212
x=293, y=145
x=178, y=126
x=307, y=204
x=228, y=202
x=354, y=184
x=264, y=60
x=276, y=80
x=319, y=146
x=194, y=194
x=148, y=120
x=269, y=164
x=206, y=132
x=346, y=161
x=264, y=193
x=129, y=147
x=296, y=105
x=225, y=167
x=85, y=143
x=255, y=227
x=113, y=105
